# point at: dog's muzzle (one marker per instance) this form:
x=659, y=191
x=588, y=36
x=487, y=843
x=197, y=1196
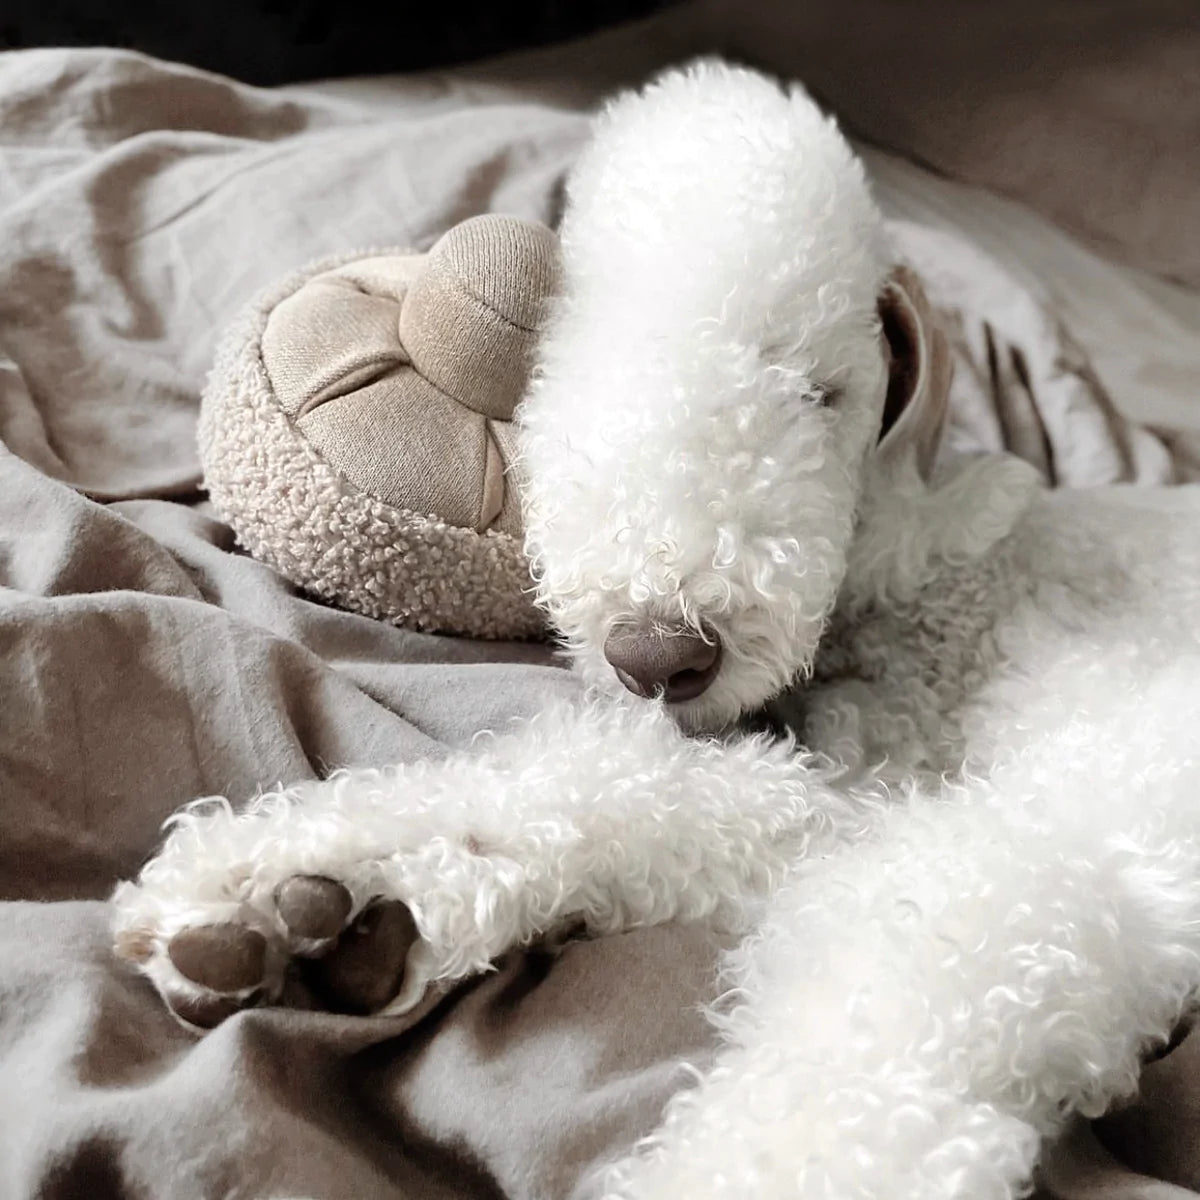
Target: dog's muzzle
x=677, y=664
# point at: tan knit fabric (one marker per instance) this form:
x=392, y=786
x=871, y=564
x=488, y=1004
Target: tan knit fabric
x=334, y=335
x=484, y=286
x=355, y=429
x=408, y=446
x=508, y=520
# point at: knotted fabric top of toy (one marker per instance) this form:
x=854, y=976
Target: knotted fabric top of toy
x=357, y=429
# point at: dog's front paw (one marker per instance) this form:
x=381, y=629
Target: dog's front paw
x=279, y=905
x=305, y=942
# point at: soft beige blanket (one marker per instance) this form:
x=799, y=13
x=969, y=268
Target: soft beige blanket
x=144, y=662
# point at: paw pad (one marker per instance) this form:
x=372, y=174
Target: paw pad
x=365, y=970
x=313, y=907
x=224, y=958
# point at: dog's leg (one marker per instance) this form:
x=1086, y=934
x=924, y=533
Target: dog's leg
x=600, y=816
x=921, y=1009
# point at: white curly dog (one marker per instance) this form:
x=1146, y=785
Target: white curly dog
x=972, y=900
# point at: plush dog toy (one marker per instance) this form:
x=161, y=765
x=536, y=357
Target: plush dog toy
x=357, y=432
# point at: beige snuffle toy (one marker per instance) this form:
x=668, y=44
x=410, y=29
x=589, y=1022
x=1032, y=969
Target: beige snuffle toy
x=357, y=429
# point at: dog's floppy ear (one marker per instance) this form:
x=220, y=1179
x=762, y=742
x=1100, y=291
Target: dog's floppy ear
x=919, y=370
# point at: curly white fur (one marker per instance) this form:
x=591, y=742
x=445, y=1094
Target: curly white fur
x=918, y=1010
x=608, y=838
x=693, y=446
x=974, y=901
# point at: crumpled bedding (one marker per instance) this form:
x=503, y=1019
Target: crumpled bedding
x=144, y=662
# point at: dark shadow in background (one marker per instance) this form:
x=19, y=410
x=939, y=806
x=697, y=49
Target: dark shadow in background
x=283, y=41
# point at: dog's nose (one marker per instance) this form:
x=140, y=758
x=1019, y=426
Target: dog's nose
x=678, y=663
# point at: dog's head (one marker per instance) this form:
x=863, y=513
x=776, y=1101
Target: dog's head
x=729, y=353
